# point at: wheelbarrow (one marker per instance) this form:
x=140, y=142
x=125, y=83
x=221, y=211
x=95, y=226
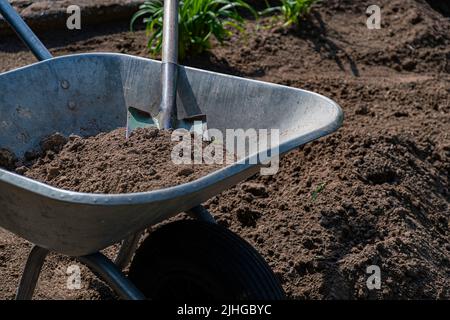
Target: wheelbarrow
x=86, y=94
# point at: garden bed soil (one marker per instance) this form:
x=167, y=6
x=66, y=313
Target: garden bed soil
x=51, y=15
x=374, y=193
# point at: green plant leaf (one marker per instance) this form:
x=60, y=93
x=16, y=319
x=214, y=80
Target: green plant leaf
x=199, y=20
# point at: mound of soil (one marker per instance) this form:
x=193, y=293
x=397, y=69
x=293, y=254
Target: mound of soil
x=110, y=163
x=344, y=204
x=374, y=193
x=413, y=37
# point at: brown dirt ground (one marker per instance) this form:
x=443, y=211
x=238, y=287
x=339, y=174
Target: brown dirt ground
x=376, y=192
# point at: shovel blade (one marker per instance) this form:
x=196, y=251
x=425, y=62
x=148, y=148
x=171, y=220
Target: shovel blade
x=139, y=119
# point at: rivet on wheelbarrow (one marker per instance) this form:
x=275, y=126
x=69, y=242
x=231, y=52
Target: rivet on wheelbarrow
x=72, y=105
x=65, y=84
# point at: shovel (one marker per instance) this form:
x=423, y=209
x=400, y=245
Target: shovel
x=167, y=116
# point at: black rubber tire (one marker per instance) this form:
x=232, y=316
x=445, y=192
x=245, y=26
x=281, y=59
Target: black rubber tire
x=194, y=260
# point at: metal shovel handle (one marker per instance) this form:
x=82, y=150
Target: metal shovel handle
x=169, y=67
x=23, y=31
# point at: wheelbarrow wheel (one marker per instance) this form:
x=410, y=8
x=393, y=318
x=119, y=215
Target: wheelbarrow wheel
x=194, y=260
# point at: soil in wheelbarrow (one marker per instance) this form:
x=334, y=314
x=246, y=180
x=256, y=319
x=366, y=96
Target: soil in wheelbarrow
x=110, y=163
x=376, y=193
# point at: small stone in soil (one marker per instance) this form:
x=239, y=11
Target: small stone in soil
x=54, y=142
x=7, y=159
x=185, y=172
x=255, y=189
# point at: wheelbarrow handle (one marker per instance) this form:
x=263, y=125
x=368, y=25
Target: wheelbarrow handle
x=24, y=31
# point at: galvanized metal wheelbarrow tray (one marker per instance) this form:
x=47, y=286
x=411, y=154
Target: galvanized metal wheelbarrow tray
x=86, y=94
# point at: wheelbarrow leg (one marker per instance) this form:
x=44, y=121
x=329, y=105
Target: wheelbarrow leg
x=201, y=213
x=31, y=273
x=108, y=271
x=127, y=250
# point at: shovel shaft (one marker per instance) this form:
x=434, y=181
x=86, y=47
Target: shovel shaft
x=170, y=32
x=168, y=94
x=169, y=63
x=23, y=31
